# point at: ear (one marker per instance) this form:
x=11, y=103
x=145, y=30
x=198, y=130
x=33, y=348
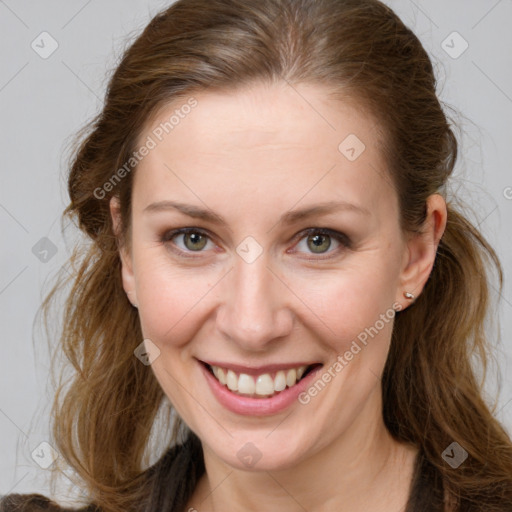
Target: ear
x=124, y=254
x=421, y=249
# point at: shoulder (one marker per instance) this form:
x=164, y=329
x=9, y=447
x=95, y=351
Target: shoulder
x=36, y=503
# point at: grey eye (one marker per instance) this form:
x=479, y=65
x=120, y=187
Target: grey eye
x=319, y=243
x=194, y=241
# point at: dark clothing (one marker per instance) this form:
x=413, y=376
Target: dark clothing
x=426, y=494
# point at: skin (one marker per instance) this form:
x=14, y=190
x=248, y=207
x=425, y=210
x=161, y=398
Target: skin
x=251, y=156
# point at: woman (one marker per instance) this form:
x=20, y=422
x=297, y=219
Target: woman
x=273, y=254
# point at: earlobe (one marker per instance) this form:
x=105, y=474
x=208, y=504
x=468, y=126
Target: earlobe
x=421, y=249
x=125, y=255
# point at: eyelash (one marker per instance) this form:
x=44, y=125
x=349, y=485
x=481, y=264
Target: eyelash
x=343, y=239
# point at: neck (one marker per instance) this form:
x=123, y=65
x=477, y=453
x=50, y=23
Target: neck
x=364, y=469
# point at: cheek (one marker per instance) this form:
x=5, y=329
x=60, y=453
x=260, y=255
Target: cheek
x=356, y=307
x=337, y=305
x=170, y=301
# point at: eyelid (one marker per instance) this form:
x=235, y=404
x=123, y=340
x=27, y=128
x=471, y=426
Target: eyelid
x=340, y=237
x=169, y=235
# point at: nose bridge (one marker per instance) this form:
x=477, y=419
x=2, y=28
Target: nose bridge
x=254, y=309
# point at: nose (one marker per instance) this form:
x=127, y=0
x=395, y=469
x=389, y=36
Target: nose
x=256, y=309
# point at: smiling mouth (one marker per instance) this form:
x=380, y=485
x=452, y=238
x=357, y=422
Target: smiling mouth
x=265, y=385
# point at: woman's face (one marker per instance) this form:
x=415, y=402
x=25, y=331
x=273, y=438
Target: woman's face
x=294, y=256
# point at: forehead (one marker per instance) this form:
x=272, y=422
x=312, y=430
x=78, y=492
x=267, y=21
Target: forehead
x=284, y=140
x=299, y=116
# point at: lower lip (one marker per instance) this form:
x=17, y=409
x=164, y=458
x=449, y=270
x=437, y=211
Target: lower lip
x=257, y=406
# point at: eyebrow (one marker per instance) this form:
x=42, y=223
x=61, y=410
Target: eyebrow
x=289, y=217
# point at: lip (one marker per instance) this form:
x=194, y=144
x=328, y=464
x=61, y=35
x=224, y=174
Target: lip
x=259, y=370
x=257, y=406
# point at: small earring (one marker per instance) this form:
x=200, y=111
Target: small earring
x=408, y=295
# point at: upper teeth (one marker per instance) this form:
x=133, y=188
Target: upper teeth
x=261, y=384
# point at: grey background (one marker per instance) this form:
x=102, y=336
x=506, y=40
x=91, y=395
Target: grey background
x=44, y=101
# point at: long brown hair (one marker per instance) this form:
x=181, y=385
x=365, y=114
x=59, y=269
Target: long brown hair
x=431, y=393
